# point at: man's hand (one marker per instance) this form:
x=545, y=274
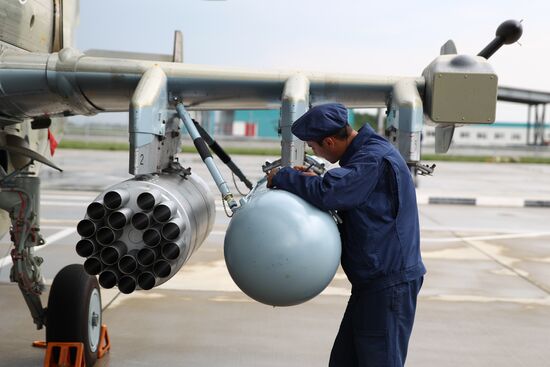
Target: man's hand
x=306, y=171
x=302, y=169
x=270, y=176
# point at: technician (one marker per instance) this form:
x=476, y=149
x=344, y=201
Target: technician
x=374, y=195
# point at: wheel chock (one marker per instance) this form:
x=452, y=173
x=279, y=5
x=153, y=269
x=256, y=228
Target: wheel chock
x=62, y=351
x=104, y=342
x=59, y=355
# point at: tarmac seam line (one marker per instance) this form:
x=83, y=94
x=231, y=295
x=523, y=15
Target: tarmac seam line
x=518, y=272
x=487, y=201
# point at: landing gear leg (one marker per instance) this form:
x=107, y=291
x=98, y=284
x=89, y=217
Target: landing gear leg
x=19, y=196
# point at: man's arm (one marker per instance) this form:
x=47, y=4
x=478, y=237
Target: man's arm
x=303, y=169
x=340, y=189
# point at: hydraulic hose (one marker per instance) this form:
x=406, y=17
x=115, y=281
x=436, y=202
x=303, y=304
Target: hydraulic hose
x=220, y=152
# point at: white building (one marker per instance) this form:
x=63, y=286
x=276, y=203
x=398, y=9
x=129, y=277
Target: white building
x=497, y=134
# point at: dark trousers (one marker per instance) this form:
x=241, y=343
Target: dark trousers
x=376, y=327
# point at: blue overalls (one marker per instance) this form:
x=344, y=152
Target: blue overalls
x=375, y=196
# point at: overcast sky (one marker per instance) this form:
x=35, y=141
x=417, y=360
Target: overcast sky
x=384, y=37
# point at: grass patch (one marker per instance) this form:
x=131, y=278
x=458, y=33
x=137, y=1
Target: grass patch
x=92, y=145
x=241, y=151
x=95, y=145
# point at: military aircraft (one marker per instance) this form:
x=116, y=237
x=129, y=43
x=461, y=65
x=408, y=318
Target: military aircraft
x=140, y=232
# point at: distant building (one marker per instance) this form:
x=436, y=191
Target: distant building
x=251, y=123
x=258, y=123
x=496, y=134
x=265, y=124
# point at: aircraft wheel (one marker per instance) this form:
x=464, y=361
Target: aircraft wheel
x=74, y=310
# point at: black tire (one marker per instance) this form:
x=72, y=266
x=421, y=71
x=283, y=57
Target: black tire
x=72, y=310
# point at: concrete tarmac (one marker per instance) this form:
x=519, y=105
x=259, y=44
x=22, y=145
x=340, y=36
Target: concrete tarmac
x=485, y=299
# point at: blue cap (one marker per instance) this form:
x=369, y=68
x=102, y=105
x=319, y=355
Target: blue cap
x=320, y=121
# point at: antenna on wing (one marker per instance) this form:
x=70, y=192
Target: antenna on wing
x=507, y=33
x=177, y=53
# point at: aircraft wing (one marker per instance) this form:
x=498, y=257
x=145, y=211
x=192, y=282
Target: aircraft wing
x=34, y=85
x=453, y=89
x=71, y=83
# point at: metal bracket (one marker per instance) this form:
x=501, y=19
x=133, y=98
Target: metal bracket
x=295, y=102
x=424, y=169
x=268, y=166
x=155, y=133
x=405, y=119
x=177, y=168
x=315, y=164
